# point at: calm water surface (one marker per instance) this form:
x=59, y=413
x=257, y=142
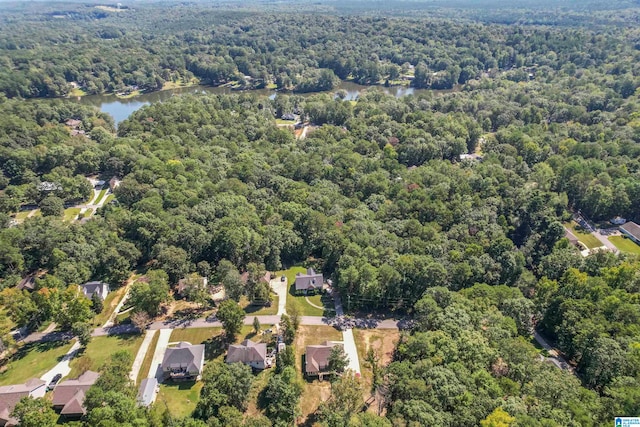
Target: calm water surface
x=120, y=109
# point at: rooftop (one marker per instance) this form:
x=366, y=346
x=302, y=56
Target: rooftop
x=632, y=228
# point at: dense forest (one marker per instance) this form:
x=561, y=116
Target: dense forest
x=376, y=196
x=147, y=49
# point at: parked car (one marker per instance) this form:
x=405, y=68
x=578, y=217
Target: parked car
x=283, y=278
x=54, y=381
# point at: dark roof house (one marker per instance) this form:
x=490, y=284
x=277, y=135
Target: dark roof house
x=10, y=395
x=90, y=288
x=250, y=353
x=311, y=280
x=631, y=230
x=317, y=358
x=185, y=361
x=68, y=396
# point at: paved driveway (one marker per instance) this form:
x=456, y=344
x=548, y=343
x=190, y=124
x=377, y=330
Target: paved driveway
x=62, y=367
x=282, y=289
x=605, y=241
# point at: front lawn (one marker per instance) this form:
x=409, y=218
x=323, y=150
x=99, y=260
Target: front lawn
x=32, y=360
x=180, y=398
x=22, y=215
x=624, y=244
x=100, y=350
x=260, y=310
x=589, y=240
x=71, y=213
x=99, y=196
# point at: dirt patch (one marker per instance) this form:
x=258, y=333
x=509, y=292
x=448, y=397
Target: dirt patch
x=383, y=342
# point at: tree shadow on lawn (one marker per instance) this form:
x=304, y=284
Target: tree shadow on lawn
x=215, y=346
x=40, y=347
x=252, y=308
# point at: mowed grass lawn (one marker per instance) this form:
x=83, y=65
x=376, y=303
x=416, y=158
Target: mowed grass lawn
x=71, y=213
x=100, y=195
x=589, y=240
x=298, y=302
x=100, y=350
x=22, y=215
x=260, y=310
x=180, y=397
x=32, y=361
x=625, y=244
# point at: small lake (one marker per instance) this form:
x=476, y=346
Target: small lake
x=121, y=108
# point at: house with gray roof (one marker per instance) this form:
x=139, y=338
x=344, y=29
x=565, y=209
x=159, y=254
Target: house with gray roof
x=100, y=288
x=311, y=281
x=69, y=395
x=147, y=392
x=316, y=361
x=10, y=395
x=631, y=230
x=250, y=353
x=183, y=362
